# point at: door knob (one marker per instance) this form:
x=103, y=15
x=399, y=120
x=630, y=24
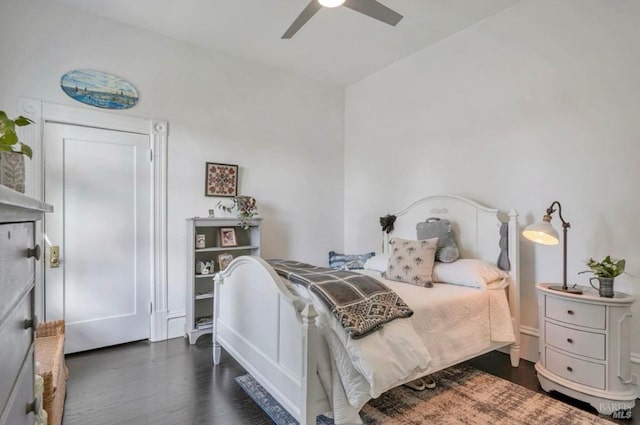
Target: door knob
x=54, y=256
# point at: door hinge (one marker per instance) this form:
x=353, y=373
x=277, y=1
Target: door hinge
x=150, y=308
x=151, y=155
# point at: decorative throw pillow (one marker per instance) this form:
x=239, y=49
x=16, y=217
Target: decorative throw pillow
x=434, y=227
x=412, y=261
x=347, y=261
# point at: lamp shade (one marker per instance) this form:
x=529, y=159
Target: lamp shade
x=542, y=233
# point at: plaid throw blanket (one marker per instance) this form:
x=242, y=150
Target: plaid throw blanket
x=361, y=303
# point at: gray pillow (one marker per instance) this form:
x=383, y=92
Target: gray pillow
x=447, y=250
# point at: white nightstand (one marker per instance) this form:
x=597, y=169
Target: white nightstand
x=585, y=347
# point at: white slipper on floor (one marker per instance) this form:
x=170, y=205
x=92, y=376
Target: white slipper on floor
x=421, y=384
x=429, y=382
x=416, y=384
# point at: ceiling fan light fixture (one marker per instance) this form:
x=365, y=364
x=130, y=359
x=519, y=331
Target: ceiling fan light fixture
x=371, y=8
x=331, y=3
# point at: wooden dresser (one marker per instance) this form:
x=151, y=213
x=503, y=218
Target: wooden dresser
x=18, y=256
x=585, y=347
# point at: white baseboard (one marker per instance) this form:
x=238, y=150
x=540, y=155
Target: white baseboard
x=529, y=347
x=528, y=330
x=175, y=324
x=159, y=326
x=528, y=344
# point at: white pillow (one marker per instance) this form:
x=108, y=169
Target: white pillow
x=468, y=272
x=377, y=263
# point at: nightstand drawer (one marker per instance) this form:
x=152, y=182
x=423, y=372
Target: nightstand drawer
x=578, y=342
x=576, y=313
x=580, y=371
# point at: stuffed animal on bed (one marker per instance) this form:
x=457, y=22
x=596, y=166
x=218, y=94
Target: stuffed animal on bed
x=434, y=227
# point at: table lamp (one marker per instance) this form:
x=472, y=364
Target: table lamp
x=544, y=234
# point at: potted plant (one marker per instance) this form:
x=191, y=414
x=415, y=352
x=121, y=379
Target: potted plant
x=12, y=152
x=245, y=206
x=605, y=272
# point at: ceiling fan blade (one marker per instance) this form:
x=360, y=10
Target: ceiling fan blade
x=375, y=10
x=311, y=9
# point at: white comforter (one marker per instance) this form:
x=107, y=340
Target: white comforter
x=450, y=324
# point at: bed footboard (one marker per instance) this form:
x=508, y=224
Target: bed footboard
x=272, y=333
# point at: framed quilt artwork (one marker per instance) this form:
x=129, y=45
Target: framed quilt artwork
x=221, y=180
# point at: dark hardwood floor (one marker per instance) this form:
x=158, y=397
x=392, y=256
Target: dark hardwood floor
x=173, y=383
x=164, y=383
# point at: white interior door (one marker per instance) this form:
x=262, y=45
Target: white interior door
x=99, y=184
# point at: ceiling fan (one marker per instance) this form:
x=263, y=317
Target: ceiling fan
x=371, y=8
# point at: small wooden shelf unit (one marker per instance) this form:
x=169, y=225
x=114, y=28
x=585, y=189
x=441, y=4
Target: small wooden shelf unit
x=200, y=286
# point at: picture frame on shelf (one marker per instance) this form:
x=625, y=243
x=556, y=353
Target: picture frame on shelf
x=224, y=260
x=221, y=180
x=228, y=237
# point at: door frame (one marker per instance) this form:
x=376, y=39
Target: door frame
x=42, y=112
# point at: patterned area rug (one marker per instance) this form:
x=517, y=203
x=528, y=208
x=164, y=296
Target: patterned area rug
x=464, y=395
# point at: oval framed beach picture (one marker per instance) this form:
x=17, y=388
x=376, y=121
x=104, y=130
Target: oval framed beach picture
x=99, y=89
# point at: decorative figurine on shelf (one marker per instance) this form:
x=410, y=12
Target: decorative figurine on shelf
x=204, y=267
x=207, y=268
x=245, y=206
x=201, y=241
x=605, y=272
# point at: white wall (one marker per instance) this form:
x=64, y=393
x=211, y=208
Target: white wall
x=285, y=131
x=536, y=104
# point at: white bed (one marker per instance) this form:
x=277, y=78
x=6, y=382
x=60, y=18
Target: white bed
x=273, y=331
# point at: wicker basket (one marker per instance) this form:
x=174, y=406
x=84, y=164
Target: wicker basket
x=50, y=356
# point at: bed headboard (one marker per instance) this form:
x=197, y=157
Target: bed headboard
x=476, y=227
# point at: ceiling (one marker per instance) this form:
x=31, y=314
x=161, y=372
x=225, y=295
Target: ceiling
x=337, y=45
